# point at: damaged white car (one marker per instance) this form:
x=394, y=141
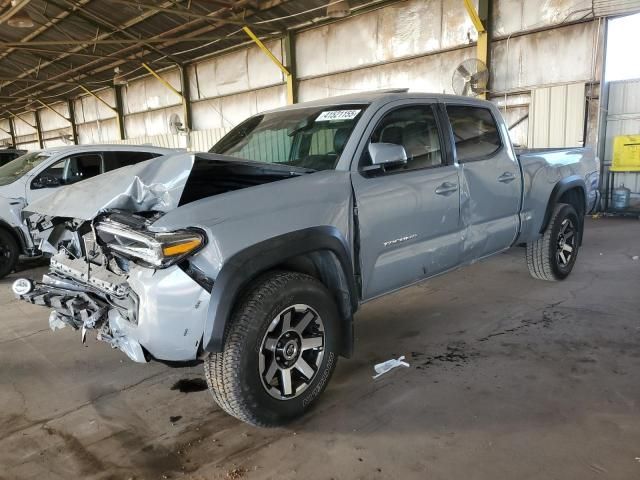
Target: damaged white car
x=254, y=258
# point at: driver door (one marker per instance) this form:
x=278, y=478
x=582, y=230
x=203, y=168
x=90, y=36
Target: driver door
x=408, y=214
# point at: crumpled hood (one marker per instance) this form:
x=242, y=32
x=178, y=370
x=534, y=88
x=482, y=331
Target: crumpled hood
x=154, y=184
x=161, y=184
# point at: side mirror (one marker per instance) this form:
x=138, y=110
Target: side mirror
x=45, y=181
x=386, y=154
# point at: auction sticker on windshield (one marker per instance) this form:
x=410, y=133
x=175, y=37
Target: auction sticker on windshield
x=337, y=115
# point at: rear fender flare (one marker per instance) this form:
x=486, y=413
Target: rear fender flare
x=245, y=265
x=564, y=185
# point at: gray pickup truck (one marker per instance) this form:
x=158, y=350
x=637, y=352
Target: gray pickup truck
x=254, y=257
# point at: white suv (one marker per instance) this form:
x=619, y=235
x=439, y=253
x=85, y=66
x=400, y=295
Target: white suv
x=36, y=174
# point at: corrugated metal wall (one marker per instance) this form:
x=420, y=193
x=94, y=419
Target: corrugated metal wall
x=415, y=44
x=556, y=116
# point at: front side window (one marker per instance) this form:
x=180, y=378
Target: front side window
x=311, y=137
x=70, y=170
x=475, y=132
x=15, y=169
x=415, y=128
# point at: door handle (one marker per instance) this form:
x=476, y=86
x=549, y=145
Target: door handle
x=446, y=189
x=506, y=177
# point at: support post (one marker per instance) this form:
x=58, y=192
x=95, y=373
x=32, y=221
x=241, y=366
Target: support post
x=481, y=22
x=186, y=98
x=36, y=114
x=287, y=74
x=119, y=111
x=72, y=119
x=12, y=132
x=290, y=63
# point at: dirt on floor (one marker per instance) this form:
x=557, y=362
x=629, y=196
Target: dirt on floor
x=510, y=378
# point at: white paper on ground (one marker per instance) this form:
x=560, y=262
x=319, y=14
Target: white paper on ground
x=384, y=367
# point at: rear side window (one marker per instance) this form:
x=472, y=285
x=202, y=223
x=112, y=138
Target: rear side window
x=475, y=132
x=81, y=167
x=115, y=160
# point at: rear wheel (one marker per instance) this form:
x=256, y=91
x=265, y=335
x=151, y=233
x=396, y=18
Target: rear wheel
x=280, y=350
x=553, y=256
x=9, y=253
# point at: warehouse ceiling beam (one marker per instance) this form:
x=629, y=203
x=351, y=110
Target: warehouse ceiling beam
x=480, y=19
x=100, y=22
x=287, y=74
x=78, y=54
x=123, y=41
x=180, y=12
x=13, y=9
x=58, y=18
x=185, y=27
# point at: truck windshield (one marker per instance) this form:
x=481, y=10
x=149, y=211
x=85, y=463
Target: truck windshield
x=15, y=169
x=312, y=137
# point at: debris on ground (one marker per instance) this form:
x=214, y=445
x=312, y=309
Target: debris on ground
x=174, y=419
x=235, y=473
x=384, y=367
x=635, y=257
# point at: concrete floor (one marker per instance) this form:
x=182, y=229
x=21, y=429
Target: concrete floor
x=510, y=378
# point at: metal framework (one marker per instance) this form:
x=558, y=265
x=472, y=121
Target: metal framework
x=75, y=45
x=480, y=20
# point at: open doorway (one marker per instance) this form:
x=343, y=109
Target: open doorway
x=621, y=153
x=622, y=48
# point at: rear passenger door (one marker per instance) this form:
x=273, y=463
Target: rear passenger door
x=490, y=181
x=408, y=215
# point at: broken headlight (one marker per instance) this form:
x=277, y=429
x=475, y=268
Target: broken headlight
x=157, y=250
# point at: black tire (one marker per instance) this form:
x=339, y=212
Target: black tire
x=9, y=253
x=547, y=258
x=236, y=376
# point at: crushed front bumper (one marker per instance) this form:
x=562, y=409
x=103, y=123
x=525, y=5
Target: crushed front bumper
x=161, y=315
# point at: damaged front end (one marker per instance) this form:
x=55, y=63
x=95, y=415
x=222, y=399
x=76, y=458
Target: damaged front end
x=102, y=271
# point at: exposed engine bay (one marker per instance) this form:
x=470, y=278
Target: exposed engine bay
x=88, y=281
x=86, y=278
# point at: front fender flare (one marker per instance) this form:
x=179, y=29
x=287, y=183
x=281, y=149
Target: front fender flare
x=245, y=265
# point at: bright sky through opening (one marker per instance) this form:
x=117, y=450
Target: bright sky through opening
x=623, y=52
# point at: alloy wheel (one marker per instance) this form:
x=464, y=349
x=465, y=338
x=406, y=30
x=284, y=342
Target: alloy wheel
x=291, y=351
x=566, y=243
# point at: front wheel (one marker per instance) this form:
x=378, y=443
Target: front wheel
x=280, y=350
x=553, y=255
x=9, y=253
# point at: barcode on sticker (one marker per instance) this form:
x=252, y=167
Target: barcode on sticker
x=337, y=115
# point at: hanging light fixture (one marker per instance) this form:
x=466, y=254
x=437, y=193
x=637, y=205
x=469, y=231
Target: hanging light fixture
x=119, y=78
x=20, y=19
x=338, y=9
